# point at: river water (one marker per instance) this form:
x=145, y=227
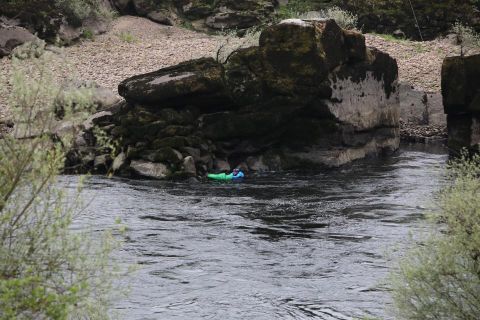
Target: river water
x=313, y=245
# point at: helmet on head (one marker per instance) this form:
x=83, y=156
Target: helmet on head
x=236, y=170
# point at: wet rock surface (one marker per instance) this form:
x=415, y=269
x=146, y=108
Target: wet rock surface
x=310, y=95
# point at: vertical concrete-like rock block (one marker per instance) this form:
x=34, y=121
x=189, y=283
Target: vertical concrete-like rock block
x=461, y=99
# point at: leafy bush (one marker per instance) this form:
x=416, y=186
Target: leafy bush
x=47, y=270
x=466, y=38
x=440, y=278
x=344, y=19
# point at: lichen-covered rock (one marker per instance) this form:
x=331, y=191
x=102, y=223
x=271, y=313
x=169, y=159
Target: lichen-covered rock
x=461, y=100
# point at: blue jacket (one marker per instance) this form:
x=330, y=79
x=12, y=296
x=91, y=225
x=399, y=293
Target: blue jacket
x=237, y=176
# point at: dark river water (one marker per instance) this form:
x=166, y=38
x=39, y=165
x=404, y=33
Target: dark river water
x=311, y=245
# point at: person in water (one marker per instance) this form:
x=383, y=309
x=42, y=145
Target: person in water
x=237, y=174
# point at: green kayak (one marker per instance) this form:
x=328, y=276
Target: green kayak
x=220, y=176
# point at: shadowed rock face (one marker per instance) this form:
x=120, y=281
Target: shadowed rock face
x=310, y=95
x=461, y=99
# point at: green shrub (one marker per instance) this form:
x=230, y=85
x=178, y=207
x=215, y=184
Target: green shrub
x=47, y=270
x=440, y=277
x=187, y=25
x=78, y=11
x=87, y=34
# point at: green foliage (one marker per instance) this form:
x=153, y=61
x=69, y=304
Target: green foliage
x=47, y=270
x=29, y=50
x=467, y=39
x=187, y=25
x=127, y=37
x=440, y=277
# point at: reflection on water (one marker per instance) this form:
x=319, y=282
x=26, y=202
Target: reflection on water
x=307, y=245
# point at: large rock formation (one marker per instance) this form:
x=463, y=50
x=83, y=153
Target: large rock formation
x=461, y=99
x=310, y=95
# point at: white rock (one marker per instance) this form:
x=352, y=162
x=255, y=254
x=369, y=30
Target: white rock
x=150, y=169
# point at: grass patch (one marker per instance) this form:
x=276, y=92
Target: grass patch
x=127, y=37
